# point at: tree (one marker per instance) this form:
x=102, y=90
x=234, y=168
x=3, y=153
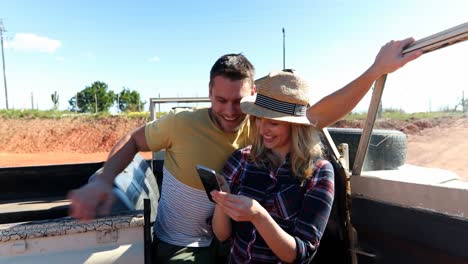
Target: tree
x=93, y=98
x=129, y=101
x=55, y=99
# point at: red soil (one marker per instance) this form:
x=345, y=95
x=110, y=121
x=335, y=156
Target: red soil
x=23, y=142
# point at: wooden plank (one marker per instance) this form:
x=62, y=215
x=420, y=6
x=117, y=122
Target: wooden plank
x=369, y=125
x=440, y=40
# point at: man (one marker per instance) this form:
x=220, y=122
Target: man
x=207, y=137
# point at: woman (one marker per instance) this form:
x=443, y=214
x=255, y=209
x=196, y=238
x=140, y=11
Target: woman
x=281, y=189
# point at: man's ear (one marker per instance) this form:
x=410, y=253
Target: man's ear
x=254, y=90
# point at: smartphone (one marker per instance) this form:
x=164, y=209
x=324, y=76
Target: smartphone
x=208, y=178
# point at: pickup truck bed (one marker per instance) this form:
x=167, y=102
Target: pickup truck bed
x=34, y=222
x=115, y=239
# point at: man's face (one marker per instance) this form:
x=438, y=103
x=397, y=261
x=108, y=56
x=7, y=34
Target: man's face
x=225, y=96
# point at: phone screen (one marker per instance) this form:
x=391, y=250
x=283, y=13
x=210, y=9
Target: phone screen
x=208, y=178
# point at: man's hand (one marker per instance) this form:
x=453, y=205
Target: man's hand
x=94, y=198
x=390, y=57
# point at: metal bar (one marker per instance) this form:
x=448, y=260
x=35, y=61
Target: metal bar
x=180, y=100
x=3, y=59
x=362, y=252
x=440, y=40
x=330, y=144
x=147, y=231
x=151, y=109
x=153, y=117
x=284, y=50
x=367, y=131
x=436, y=41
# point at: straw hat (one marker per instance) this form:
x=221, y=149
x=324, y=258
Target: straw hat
x=282, y=96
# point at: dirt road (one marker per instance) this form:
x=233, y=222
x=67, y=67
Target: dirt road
x=442, y=147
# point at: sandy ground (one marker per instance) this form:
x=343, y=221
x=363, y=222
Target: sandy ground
x=442, y=147
x=438, y=144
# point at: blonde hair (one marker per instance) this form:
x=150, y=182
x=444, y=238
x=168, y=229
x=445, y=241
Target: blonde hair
x=306, y=147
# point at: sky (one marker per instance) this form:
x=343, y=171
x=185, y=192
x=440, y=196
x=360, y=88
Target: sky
x=166, y=48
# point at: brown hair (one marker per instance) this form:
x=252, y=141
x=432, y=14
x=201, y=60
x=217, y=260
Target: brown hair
x=234, y=67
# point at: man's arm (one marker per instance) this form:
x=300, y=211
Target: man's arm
x=336, y=105
x=97, y=194
x=123, y=152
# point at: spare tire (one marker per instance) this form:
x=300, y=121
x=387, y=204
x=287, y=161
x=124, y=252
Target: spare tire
x=387, y=148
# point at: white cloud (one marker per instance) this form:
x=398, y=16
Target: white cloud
x=59, y=58
x=154, y=59
x=33, y=42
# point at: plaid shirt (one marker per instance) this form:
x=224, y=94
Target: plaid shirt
x=301, y=210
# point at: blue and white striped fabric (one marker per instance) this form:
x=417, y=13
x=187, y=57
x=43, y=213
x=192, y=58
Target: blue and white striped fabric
x=184, y=214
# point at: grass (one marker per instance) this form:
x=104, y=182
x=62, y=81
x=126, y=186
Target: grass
x=13, y=113
x=55, y=114
x=400, y=115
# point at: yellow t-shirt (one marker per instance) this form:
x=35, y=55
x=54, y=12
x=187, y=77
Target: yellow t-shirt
x=191, y=138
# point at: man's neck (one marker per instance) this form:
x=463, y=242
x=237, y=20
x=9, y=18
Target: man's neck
x=213, y=119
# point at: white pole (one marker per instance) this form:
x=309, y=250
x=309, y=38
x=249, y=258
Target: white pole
x=3, y=59
x=284, y=50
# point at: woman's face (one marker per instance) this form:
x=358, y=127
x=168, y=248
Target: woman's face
x=276, y=135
